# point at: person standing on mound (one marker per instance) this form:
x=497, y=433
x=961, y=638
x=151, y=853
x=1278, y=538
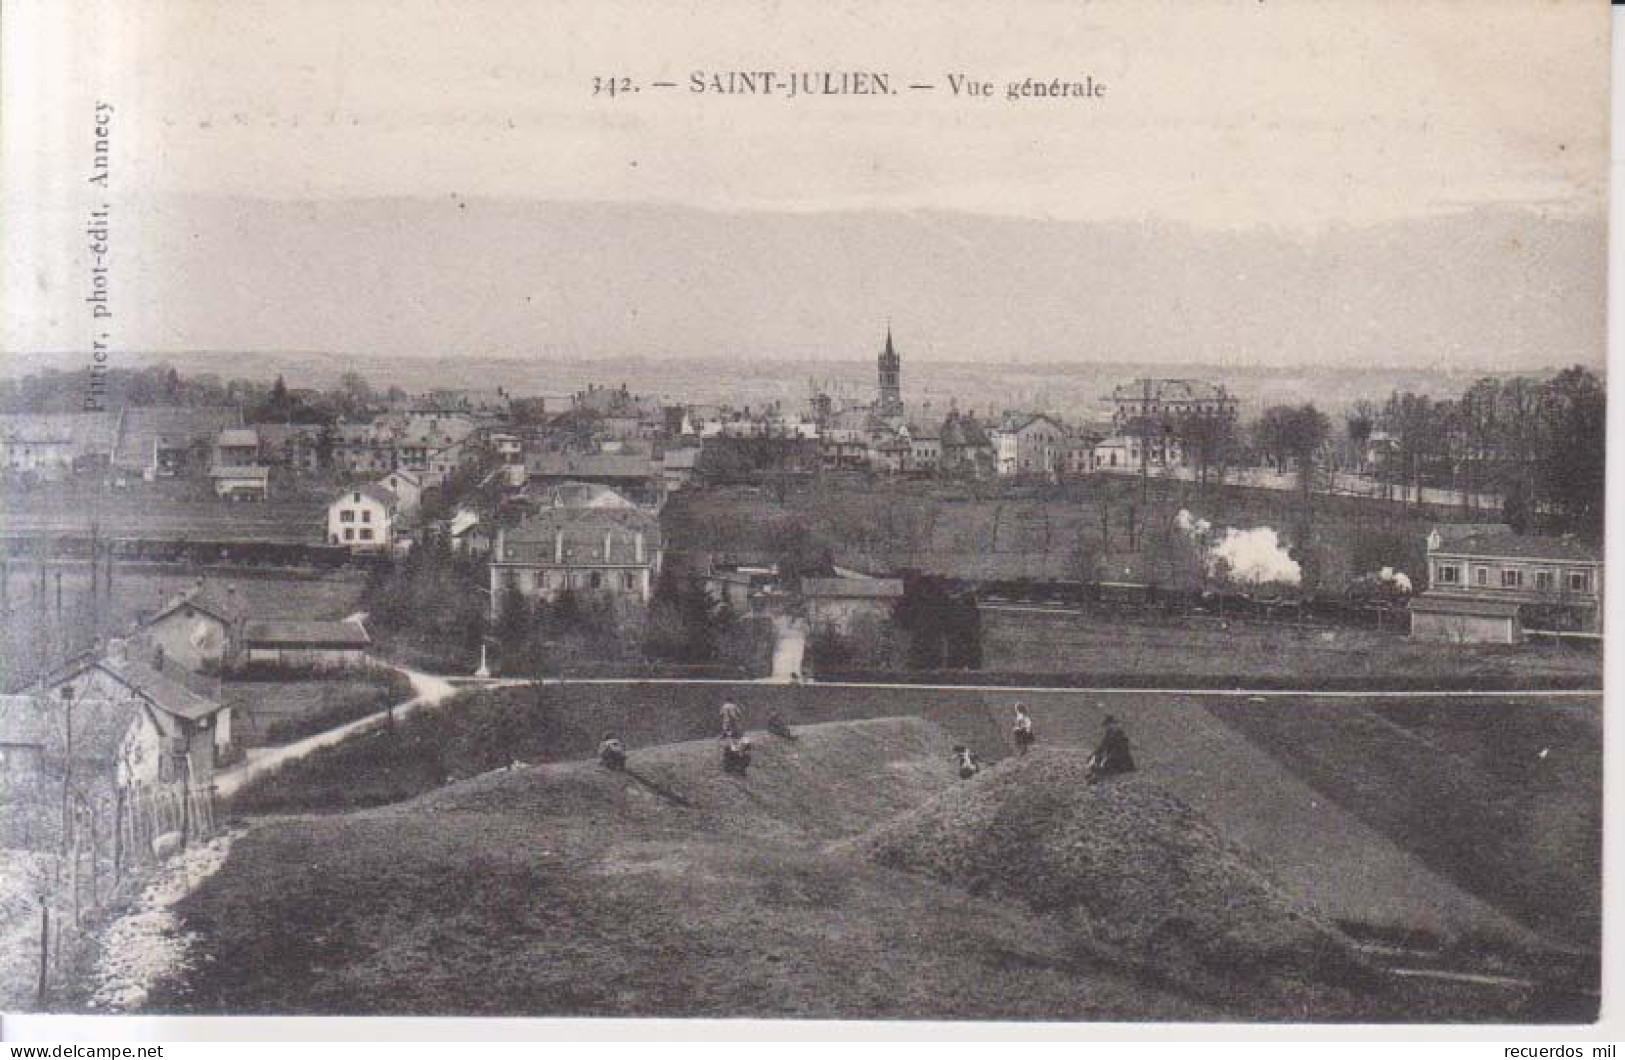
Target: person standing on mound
x=1113, y=755
x=733, y=720
x=965, y=759
x=1023, y=730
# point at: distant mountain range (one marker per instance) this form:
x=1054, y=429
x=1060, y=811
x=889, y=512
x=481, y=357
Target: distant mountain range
x=1077, y=391
x=545, y=297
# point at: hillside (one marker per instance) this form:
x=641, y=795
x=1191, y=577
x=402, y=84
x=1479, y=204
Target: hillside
x=675, y=891
x=1350, y=838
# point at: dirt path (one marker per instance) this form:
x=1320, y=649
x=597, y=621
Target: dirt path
x=788, y=650
x=427, y=690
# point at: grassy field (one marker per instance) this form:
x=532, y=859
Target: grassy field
x=673, y=890
x=1036, y=642
x=1349, y=831
x=1506, y=799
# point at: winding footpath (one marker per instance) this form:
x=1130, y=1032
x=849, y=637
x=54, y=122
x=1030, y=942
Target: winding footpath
x=427, y=690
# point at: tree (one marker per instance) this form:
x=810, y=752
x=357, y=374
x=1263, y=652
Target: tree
x=1209, y=439
x=1573, y=450
x=1294, y=436
x=1358, y=427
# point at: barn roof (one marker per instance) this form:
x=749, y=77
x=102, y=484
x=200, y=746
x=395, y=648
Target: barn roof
x=308, y=634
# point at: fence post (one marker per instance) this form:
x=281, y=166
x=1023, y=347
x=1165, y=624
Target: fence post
x=44, y=951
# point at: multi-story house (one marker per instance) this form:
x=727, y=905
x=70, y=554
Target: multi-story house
x=363, y=518
x=614, y=550
x=1491, y=586
x=1030, y=444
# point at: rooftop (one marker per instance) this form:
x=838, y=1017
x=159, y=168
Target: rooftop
x=223, y=604
x=325, y=634
x=1458, y=604
x=1521, y=546
x=874, y=588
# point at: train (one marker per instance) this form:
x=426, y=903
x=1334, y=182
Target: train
x=77, y=547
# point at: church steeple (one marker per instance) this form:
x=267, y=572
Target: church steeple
x=891, y=379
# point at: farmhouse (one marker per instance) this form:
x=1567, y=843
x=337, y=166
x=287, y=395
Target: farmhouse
x=294, y=643
x=200, y=628
x=602, y=549
x=363, y=517
x=170, y=733
x=1552, y=583
x=839, y=603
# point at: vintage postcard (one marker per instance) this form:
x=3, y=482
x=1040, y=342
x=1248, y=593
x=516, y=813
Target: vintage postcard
x=1070, y=512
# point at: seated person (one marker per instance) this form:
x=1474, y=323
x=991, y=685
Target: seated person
x=612, y=752
x=736, y=757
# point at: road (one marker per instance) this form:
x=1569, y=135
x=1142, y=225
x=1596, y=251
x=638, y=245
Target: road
x=427, y=690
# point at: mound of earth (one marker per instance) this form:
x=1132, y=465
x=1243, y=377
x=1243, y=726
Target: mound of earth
x=1126, y=864
x=829, y=781
x=570, y=890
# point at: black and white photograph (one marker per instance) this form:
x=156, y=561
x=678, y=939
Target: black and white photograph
x=1072, y=514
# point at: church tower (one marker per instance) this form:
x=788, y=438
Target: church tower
x=891, y=380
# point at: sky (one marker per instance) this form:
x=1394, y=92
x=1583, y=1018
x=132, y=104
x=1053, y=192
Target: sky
x=255, y=145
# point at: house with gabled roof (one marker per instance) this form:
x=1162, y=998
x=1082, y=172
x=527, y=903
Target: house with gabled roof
x=164, y=731
x=198, y=630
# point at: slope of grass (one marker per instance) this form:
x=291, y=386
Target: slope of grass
x=1326, y=848
x=677, y=891
x=1503, y=797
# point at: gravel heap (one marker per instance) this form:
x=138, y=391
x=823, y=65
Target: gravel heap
x=1124, y=864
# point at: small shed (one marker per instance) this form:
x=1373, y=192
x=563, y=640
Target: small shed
x=294, y=643
x=1457, y=619
x=838, y=603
